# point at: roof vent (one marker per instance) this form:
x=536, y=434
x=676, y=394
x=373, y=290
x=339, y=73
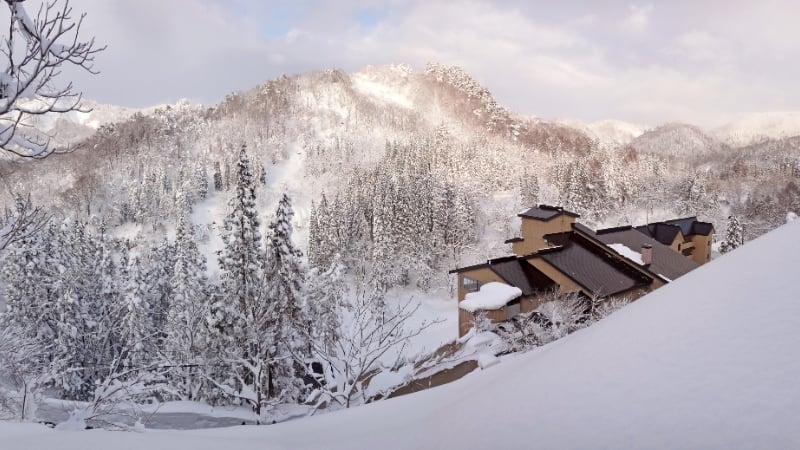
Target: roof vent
x=647, y=254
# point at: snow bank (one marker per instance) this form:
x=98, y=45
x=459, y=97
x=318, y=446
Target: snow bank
x=708, y=361
x=490, y=296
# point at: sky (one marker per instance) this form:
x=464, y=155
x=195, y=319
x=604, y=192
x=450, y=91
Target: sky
x=703, y=62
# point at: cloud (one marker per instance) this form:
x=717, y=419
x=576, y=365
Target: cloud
x=638, y=18
x=697, y=62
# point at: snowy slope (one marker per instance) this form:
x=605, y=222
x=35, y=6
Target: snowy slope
x=759, y=126
x=709, y=361
x=608, y=131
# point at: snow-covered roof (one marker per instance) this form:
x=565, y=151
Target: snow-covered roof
x=490, y=296
x=625, y=251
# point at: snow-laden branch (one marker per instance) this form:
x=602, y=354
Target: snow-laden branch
x=365, y=340
x=21, y=222
x=34, y=51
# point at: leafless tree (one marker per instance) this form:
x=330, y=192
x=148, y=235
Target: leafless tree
x=35, y=50
x=21, y=222
x=371, y=334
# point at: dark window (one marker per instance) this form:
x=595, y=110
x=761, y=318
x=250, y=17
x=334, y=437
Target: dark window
x=470, y=285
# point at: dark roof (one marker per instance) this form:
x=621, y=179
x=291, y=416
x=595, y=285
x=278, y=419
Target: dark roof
x=515, y=271
x=666, y=262
x=593, y=268
x=666, y=231
x=546, y=212
x=514, y=239
x=662, y=232
x=520, y=274
x=703, y=228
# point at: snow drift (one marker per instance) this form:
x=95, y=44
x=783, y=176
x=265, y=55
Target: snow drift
x=709, y=361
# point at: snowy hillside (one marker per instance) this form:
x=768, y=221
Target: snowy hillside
x=609, y=131
x=709, y=361
x=676, y=139
x=750, y=128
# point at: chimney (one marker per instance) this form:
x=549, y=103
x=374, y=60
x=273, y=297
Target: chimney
x=647, y=254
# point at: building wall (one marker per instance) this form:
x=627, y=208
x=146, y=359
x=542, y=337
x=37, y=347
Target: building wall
x=532, y=303
x=466, y=318
x=702, y=248
x=676, y=243
x=565, y=284
x=483, y=275
x=533, y=231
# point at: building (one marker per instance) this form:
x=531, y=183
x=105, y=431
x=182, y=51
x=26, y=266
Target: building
x=557, y=253
x=688, y=236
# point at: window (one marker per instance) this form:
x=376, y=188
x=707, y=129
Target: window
x=470, y=285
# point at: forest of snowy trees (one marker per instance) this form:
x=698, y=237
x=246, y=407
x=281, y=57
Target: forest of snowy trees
x=164, y=255
x=96, y=308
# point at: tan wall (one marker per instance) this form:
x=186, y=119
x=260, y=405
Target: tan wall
x=483, y=275
x=676, y=243
x=532, y=303
x=565, y=284
x=532, y=231
x=466, y=318
x=702, y=248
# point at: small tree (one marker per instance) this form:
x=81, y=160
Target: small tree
x=25, y=368
x=21, y=222
x=733, y=236
x=35, y=51
x=368, y=335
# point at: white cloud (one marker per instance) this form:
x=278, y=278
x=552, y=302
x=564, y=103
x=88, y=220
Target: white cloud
x=697, y=62
x=638, y=18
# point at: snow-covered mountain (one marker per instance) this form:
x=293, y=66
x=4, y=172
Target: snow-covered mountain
x=750, y=128
x=709, y=361
x=676, y=139
x=610, y=131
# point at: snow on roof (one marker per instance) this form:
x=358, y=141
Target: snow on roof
x=490, y=296
x=627, y=252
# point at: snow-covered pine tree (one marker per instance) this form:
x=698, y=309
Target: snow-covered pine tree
x=529, y=189
x=313, y=236
x=325, y=298
x=733, y=235
x=136, y=325
x=217, y=177
x=285, y=276
x=241, y=323
x=200, y=181
x=186, y=341
x=160, y=264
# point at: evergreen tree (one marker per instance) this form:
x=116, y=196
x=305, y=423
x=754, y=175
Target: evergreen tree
x=242, y=329
x=217, y=177
x=325, y=296
x=201, y=181
x=733, y=236
x=136, y=326
x=285, y=277
x=187, y=333
x=158, y=285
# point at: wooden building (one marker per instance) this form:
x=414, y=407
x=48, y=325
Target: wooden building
x=557, y=253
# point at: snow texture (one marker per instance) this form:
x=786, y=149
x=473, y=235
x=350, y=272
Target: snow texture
x=708, y=361
x=625, y=251
x=490, y=296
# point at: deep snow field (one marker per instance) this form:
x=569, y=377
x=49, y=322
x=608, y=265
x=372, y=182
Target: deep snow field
x=709, y=361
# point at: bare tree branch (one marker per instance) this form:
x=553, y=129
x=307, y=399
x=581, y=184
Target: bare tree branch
x=34, y=50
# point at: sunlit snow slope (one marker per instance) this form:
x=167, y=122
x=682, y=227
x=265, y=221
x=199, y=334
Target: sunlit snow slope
x=709, y=361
